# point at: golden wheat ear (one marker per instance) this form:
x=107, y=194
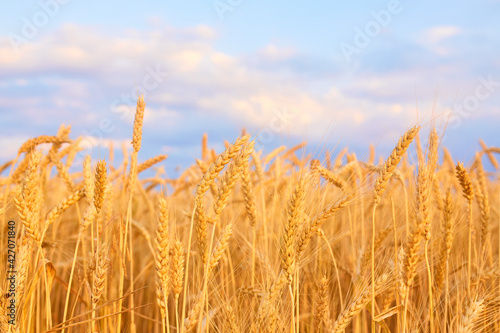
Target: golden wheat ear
x=393, y=160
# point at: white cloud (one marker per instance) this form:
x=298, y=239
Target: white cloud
x=94, y=69
x=435, y=38
x=273, y=52
x=439, y=33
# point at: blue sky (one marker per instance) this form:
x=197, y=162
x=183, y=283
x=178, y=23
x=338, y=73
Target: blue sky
x=334, y=73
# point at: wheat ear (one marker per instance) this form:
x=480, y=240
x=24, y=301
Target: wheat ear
x=258, y=165
x=273, y=154
x=346, y=316
x=471, y=313
x=492, y=158
x=447, y=242
x=88, y=181
x=295, y=206
x=177, y=269
x=162, y=263
x=392, y=162
x=267, y=304
x=468, y=192
x=27, y=199
x=205, y=183
x=465, y=182
x=433, y=152
x=332, y=178
x=220, y=248
x=248, y=194
x=62, y=206
x=100, y=185
x=230, y=177
x=32, y=143
x=484, y=203
x=321, y=309
x=310, y=228
x=139, y=118
x=231, y=319
x=411, y=258
x=23, y=267
x=149, y=163
x=177, y=272
x=101, y=268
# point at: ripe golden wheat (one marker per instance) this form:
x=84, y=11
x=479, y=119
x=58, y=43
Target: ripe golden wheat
x=242, y=241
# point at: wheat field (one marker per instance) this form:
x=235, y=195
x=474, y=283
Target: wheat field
x=246, y=241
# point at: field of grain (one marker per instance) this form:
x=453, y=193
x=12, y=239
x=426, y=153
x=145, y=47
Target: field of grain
x=245, y=241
